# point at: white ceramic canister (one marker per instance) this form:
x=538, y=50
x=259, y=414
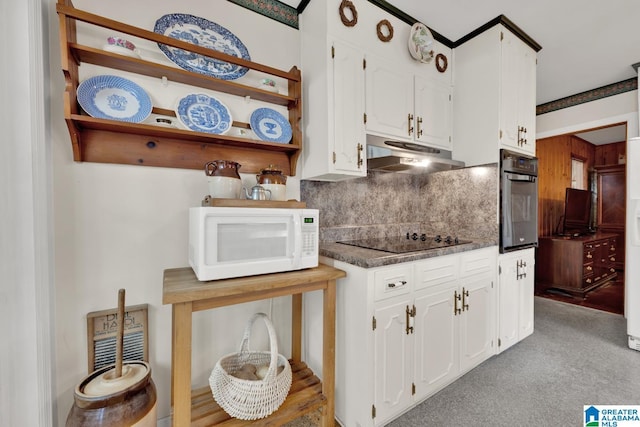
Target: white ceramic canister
x=273, y=180
x=223, y=179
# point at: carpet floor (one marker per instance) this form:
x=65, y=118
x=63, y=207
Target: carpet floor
x=576, y=356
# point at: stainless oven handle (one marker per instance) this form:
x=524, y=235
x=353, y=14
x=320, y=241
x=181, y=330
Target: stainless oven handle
x=520, y=178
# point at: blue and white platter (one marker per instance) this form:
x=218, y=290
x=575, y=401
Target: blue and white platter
x=199, y=31
x=115, y=98
x=204, y=113
x=269, y=125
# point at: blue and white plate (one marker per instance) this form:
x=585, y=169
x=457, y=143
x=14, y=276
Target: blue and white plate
x=204, y=113
x=115, y=98
x=269, y=125
x=202, y=32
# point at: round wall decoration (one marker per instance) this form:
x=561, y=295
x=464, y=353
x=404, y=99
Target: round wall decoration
x=348, y=5
x=441, y=62
x=384, y=30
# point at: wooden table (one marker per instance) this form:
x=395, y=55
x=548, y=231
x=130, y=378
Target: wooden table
x=187, y=294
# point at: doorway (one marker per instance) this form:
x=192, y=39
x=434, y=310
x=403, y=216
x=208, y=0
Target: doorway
x=593, y=159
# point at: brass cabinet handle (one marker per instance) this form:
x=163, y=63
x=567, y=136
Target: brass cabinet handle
x=419, y=120
x=409, y=127
x=589, y=268
x=456, y=298
x=589, y=255
x=465, y=295
x=410, y=314
x=360, y=160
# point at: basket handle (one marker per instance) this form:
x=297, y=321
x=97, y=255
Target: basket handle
x=273, y=341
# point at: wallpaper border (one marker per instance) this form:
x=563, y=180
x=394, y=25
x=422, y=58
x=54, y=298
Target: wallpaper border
x=273, y=9
x=588, y=96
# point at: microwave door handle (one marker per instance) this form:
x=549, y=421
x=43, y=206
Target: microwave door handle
x=297, y=240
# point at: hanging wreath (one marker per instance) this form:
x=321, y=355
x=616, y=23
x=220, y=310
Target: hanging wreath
x=382, y=25
x=441, y=62
x=346, y=4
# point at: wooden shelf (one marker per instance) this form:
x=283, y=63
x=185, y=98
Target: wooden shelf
x=110, y=141
x=304, y=397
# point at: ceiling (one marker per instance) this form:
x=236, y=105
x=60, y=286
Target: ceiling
x=585, y=45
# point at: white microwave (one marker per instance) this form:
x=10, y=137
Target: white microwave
x=227, y=242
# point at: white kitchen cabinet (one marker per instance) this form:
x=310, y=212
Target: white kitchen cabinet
x=494, y=91
x=334, y=116
x=517, y=95
x=405, y=106
x=516, y=292
x=478, y=303
x=393, y=356
x=406, y=331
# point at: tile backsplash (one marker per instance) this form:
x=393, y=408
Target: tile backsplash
x=460, y=202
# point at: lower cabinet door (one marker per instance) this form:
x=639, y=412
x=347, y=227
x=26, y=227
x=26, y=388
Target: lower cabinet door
x=509, y=312
x=477, y=321
x=526, y=287
x=436, y=340
x=393, y=348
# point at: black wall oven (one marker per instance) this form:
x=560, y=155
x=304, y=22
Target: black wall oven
x=518, y=201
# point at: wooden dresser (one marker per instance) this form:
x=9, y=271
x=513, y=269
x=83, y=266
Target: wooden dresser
x=576, y=264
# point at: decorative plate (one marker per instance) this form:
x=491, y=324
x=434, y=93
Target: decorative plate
x=271, y=126
x=420, y=43
x=115, y=98
x=204, y=113
x=202, y=32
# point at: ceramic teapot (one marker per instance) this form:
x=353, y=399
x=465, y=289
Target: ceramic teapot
x=224, y=179
x=257, y=193
x=273, y=180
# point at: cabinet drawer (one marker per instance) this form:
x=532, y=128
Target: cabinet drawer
x=391, y=282
x=437, y=271
x=478, y=261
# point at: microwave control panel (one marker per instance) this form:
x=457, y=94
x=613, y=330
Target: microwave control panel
x=309, y=234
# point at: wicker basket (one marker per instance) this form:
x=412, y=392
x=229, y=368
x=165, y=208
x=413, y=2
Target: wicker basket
x=251, y=399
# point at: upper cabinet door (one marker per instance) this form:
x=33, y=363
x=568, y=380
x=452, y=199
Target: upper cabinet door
x=517, y=94
x=389, y=100
x=348, y=109
x=433, y=110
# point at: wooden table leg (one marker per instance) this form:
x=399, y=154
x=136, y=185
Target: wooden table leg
x=329, y=352
x=181, y=364
x=296, y=327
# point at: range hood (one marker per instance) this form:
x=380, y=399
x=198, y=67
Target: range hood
x=384, y=154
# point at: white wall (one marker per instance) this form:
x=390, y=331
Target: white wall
x=119, y=226
x=606, y=111
x=25, y=228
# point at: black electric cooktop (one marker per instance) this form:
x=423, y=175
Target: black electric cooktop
x=409, y=243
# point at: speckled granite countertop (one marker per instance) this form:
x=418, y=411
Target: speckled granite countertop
x=368, y=258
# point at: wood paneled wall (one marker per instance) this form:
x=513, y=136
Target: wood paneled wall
x=609, y=154
x=554, y=176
